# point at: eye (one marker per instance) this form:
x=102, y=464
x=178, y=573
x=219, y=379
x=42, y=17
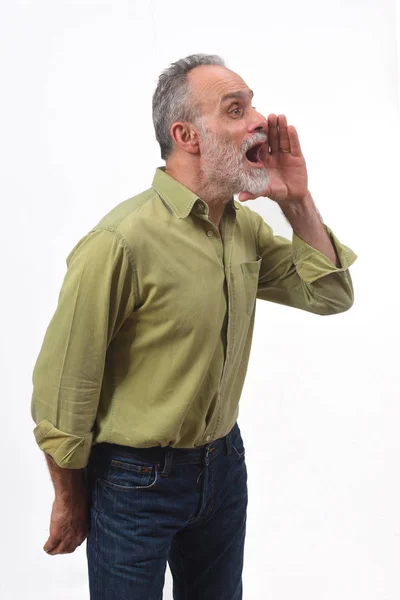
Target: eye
x=254, y=107
x=236, y=114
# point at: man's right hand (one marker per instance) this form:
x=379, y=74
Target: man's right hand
x=69, y=525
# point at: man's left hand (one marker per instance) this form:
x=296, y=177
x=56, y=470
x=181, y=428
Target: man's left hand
x=287, y=171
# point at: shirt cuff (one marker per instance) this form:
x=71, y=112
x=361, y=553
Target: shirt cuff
x=311, y=264
x=69, y=451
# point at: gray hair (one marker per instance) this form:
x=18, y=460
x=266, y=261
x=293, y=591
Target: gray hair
x=172, y=99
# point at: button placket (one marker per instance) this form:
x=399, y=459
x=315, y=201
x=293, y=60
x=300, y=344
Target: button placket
x=228, y=239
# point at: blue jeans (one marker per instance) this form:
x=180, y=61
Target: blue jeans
x=153, y=505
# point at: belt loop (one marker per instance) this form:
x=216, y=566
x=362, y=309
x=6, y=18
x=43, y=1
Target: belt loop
x=228, y=441
x=168, y=463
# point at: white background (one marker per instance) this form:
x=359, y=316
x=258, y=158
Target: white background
x=320, y=410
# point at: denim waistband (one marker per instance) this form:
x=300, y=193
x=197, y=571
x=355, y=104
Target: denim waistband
x=168, y=455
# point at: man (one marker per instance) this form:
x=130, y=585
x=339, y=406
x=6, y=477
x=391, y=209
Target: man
x=137, y=384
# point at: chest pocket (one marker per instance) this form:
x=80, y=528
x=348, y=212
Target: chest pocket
x=251, y=271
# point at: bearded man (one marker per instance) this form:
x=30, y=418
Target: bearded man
x=137, y=384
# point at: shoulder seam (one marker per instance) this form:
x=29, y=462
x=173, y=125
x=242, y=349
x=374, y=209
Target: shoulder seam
x=146, y=199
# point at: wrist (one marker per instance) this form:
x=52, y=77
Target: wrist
x=71, y=483
x=296, y=206
x=68, y=483
x=301, y=213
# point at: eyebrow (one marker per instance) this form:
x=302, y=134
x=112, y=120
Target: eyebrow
x=234, y=95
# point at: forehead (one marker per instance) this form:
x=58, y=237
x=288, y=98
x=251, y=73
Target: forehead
x=210, y=83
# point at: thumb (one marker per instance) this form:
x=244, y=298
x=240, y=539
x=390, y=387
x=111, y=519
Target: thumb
x=243, y=196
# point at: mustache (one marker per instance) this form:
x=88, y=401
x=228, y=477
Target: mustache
x=257, y=138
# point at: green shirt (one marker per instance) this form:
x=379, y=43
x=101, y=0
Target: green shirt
x=150, y=340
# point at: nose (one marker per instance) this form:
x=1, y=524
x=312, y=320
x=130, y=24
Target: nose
x=259, y=124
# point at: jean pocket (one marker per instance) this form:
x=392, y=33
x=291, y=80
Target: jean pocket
x=127, y=474
x=251, y=271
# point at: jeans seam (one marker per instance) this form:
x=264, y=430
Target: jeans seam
x=183, y=573
x=96, y=554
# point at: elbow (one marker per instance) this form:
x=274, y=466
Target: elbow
x=334, y=306
x=333, y=295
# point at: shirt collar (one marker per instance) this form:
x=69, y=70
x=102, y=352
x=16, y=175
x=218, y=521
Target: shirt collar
x=179, y=198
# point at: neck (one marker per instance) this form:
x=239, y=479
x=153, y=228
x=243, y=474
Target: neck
x=189, y=174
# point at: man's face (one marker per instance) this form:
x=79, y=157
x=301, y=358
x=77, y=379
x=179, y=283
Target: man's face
x=229, y=127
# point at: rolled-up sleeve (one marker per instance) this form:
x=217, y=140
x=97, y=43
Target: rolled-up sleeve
x=295, y=274
x=96, y=297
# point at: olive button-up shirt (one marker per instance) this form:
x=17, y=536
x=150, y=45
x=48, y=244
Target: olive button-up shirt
x=150, y=340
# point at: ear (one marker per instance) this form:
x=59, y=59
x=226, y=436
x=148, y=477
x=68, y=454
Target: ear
x=185, y=137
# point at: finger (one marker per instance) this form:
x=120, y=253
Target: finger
x=273, y=134
x=55, y=546
x=51, y=543
x=295, y=147
x=63, y=548
x=69, y=549
x=55, y=550
x=284, y=140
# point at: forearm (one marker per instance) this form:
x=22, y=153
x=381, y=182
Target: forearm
x=68, y=483
x=307, y=225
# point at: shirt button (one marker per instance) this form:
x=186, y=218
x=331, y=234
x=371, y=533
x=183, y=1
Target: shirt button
x=210, y=233
x=200, y=207
x=208, y=438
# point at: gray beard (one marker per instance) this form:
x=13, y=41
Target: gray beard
x=223, y=167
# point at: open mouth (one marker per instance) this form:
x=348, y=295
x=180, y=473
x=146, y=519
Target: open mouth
x=253, y=155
